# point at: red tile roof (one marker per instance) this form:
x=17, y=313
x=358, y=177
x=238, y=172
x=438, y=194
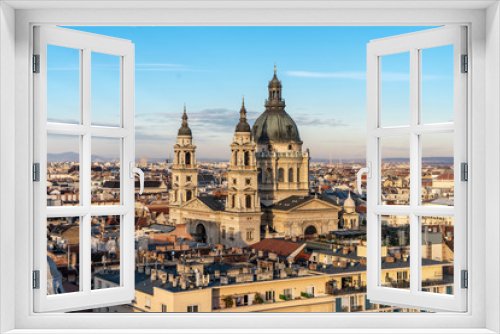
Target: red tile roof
x=446, y=177
x=280, y=247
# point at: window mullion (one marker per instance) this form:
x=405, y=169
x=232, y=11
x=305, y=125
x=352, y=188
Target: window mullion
x=85, y=173
x=414, y=168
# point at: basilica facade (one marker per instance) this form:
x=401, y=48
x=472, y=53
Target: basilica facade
x=268, y=184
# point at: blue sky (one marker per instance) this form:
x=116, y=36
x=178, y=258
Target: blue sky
x=322, y=69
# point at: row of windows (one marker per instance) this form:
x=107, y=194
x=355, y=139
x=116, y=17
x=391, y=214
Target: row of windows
x=188, y=178
x=190, y=308
x=248, y=201
x=246, y=158
x=189, y=195
x=187, y=158
x=249, y=234
x=267, y=177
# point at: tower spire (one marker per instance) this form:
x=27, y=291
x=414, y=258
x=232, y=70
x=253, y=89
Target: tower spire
x=184, y=130
x=274, y=68
x=243, y=112
x=184, y=117
x=243, y=124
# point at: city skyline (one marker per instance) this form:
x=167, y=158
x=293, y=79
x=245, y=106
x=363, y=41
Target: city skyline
x=210, y=68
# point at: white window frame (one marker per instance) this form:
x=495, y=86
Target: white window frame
x=15, y=39
x=412, y=43
x=86, y=43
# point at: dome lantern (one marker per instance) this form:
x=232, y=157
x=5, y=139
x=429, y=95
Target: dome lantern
x=184, y=130
x=275, y=125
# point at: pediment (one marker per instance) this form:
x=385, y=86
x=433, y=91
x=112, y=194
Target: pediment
x=197, y=205
x=316, y=204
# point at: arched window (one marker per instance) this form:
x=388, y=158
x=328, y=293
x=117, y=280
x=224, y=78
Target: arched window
x=233, y=200
x=298, y=174
x=289, y=147
x=259, y=175
x=247, y=158
x=290, y=175
x=269, y=175
x=188, y=158
x=281, y=175
x=189, y=195
x=248, y=201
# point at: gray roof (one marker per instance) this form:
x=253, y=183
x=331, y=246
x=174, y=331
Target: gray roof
x=116, y=184
x=294, y=201
x=211, y=202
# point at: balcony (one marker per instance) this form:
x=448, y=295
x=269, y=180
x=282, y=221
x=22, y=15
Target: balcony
x=397, y=284
x=356, y=308
x=438, y=282
x=348, y=291
x=279, y=304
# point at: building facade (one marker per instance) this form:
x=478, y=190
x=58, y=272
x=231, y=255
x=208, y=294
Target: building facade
x=268, y=190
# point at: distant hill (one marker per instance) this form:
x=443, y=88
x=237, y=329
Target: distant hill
x=72, y=157
x=426, y=160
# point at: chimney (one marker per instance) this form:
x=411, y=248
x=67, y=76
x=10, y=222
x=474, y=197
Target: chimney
x=197, y=275
x=153, y=275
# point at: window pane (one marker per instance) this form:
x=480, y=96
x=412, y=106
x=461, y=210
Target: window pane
x=395, y=251
x=395, y=167
x=63, y=85
x=63, y=170
x=437, y=84
x=437, y=169
x=63, y=255
x=105, y=255
x=395, y=89
x=437, y=254
x=105, y=90
x=105, y=171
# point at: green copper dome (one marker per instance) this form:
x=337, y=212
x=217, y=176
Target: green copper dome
x=275, y=124
x=277, y=127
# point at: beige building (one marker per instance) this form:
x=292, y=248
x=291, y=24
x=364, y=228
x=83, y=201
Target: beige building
x=268, y=191
x=269, y=286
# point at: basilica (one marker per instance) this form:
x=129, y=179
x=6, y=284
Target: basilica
x=268, y=184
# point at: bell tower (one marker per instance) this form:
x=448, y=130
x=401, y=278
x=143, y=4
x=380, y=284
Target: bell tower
x=242, y=173
x=243, y=214
x=184, y=170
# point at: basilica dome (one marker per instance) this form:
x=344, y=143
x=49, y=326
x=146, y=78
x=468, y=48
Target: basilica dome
x=275, y=125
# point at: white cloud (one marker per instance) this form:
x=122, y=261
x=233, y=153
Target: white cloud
x=358, y=75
